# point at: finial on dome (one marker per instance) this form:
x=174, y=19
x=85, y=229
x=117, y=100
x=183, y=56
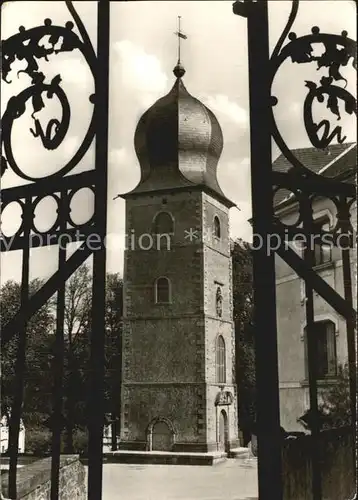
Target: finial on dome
x=179, y=70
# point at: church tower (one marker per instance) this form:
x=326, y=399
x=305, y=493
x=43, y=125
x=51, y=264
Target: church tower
x=178, y=381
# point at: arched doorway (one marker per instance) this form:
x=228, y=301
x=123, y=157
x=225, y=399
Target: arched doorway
x=223, y=443
x=160, y=435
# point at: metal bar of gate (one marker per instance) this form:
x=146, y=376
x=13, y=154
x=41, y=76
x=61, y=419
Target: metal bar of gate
x=20, y=363
x=268, y=410
x=352, y=355
x=351, y=337
x=312, y=355
x=58, y=363
x=51, y=286
x=96, y=392
x=319, y=285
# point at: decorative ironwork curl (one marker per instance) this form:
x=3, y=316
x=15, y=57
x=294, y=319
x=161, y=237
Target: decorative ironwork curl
x=20, y=229
x=342, y=226
x=339, y=51
x=55, y=225
x=70, y=221
x=62, y=212
x=291, y=194
x=26, y=46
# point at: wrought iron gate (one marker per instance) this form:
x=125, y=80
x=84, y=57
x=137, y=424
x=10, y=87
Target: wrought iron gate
x=339, y=51
x=25, y=45
x=265, y=182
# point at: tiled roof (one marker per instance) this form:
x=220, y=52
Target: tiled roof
x=334, y=160
x=313, y=158
x=347, y=162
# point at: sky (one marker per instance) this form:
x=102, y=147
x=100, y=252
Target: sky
x=143, y=54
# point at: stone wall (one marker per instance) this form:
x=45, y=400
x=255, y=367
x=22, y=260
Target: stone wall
x=218, y=272
x=34, y=480
x=336, y=454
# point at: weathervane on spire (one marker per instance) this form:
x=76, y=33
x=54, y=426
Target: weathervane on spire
x=179, y=35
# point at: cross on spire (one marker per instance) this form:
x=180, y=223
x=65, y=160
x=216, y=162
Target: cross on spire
x=179, y=35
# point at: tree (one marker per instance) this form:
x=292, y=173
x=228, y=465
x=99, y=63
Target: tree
x=78, y=310
x=39, y=355
x=113, y=350
x=244, y=334
x=335, y=404
x=77, y=314
x=38, y=373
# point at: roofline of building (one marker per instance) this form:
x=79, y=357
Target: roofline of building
x=197, y=187
x=343, y=176
x=338, y=157
x=288, y=205
x=291, y=199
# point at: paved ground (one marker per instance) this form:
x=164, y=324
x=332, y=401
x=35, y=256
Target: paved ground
x=231, y=480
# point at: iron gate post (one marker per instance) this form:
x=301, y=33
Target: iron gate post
x=267, y=382
x=97, y=357
x=312, y=352
x=20, y=363
x=58, y=368
x=351, y=326
x=26, y=45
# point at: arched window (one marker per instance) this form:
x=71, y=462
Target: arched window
x=163, y=228
x=162, y=290
x=217, y=227
x=219, y=302
x=322, y=252
x=163, y=224
x=326, y=362
x=220, y=361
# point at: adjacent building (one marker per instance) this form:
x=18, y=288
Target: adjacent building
x=337, y=161
x=4, y=435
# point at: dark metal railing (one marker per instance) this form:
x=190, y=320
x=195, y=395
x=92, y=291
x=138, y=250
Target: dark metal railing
x=25, y=45
x=304, y=185
x=267, y=385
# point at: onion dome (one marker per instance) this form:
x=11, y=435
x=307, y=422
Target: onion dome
x=178, y=142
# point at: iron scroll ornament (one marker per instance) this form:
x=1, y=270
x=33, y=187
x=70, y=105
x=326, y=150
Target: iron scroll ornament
x=339, y=51
x=26, y=45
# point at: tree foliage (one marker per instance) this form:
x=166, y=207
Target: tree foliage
x=39, y=337
x=244, y=333
x=335, y=404
x=113, y=347
x=37, y=407
x=77, y=314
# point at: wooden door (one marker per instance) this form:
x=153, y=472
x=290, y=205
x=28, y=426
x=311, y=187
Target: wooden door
x=162, y=439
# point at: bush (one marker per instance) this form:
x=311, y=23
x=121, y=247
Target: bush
x=37, y=440
x=336, y=401
x=80, y=441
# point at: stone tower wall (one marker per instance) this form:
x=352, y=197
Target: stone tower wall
x=169, y=350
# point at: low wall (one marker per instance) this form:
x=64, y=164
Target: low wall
x=338, y=472
x=34, y=480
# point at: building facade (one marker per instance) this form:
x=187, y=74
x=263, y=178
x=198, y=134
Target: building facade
x=178, y=380
x=4, y=435
x=330, y=328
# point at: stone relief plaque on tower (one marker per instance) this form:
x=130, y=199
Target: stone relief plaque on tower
x=219, y=302
x=224, y=398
